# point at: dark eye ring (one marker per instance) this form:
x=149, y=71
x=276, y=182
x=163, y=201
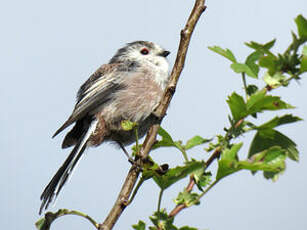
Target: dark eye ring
x=144, y=51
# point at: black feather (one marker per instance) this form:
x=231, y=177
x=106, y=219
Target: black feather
x=61, y=175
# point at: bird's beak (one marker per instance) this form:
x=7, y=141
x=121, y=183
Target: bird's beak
x=165, y=53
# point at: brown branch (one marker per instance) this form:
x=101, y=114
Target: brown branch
x=123, y=197
x=178, y=208
x=216, y=154
x=191, y=184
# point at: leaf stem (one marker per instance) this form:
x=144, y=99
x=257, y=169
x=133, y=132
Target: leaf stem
x=141, y=181
x=245, y=85
x=160, y=199
x=207, y=189
x=185, y=156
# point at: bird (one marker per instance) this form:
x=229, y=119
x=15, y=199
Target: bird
x=129, y=88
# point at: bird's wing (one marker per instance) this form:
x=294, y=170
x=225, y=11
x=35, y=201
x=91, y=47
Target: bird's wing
x=96, y=91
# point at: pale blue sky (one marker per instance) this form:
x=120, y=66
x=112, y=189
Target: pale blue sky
x=49, y=48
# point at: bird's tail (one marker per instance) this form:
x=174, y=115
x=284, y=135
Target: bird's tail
x=54, y=187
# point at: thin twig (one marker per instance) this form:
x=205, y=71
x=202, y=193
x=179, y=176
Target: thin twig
x=215, y=155
x=50, y=217
x=186, y=33
x=178, y=208
x=207, y=190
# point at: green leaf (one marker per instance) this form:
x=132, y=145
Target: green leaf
x=274, y=81
x=243, y=68
x=187, y=198
x=303, y=67
x=150, y=169
x=226, y=53
x=277, y=121
x=251, y=89
x=195, y=141
x=269, y=62
x=202, y=178
x=271, y=160
x=237, y=106
x=162, y=221
x=267, y=138
x=263, y=48
x=269, y=44
x=301, y=24
x=175, y=174
x=127, y=125
x=167, y=140
x=259, y=102
x=140, y=226
x=187, y=228
x=250, y=61
x=228, y=162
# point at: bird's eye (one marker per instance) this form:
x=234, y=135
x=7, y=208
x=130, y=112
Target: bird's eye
x=144, y=51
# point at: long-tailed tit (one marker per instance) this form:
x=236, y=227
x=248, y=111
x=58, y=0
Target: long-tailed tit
x=128, y=88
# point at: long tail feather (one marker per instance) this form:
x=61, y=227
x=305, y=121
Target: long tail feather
x=54, y=187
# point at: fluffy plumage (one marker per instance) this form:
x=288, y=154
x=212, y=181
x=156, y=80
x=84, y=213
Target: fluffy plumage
x=128, y=88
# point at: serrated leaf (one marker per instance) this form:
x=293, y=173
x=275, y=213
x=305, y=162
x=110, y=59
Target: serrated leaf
x=264, y=140
x=277, y=121
x=175, y=174
x=237, y=106
x=301, y=24
x=243, y=68
x=139, y=226
x=226, y=53
x=259, y=102
x=187, y=198
x=162, y=221
x=274, y=81
x=202, y=178
x=228, y=162
x=270, y=160
x=195, y=141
